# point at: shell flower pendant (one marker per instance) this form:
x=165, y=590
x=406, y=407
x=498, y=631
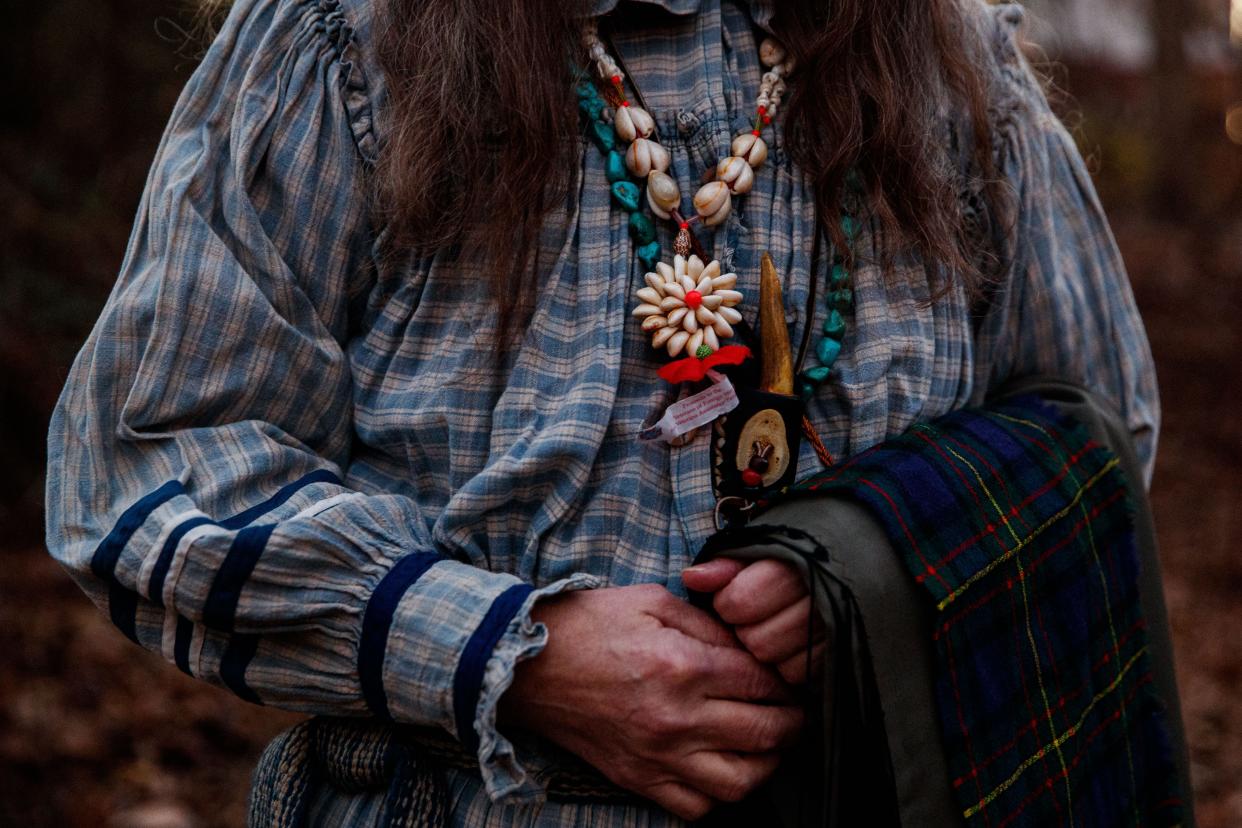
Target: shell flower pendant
x=689, y=306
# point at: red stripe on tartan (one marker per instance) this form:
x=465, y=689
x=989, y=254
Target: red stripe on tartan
x=996, y=474
x=951, y=464
x=1015, y=510
x=1067, y=698
x=1141, y=682
x=1095, y=512
x=1031, y=567
x=961, y=723
x=1033, y=724
x=929, y=569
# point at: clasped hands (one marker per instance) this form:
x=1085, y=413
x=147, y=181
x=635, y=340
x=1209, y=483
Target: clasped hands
x=663, y=698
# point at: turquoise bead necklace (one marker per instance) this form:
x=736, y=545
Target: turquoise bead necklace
x=634, y=124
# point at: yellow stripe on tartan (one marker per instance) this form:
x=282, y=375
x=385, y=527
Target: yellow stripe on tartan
x=969, y=582
x=1057, y=742
x=1108, y=609
x=1030, y=634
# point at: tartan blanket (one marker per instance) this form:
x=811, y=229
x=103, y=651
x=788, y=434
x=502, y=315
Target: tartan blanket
x=1019, y=527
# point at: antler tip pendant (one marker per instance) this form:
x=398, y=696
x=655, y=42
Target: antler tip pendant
x=776, y=374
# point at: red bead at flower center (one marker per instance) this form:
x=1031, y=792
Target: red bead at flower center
x=693, y=299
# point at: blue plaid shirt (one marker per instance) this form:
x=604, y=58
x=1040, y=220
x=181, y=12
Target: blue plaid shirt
x=292, y=466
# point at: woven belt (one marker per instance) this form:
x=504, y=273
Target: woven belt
x=406, y=763
x=567, y=778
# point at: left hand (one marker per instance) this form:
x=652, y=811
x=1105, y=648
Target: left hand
x=767, y=603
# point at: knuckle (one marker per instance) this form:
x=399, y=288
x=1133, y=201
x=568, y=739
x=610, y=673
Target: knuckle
x=736, y=786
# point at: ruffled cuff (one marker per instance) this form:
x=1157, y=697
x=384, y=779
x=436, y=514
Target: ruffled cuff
x=440, y=641
x=503, y=776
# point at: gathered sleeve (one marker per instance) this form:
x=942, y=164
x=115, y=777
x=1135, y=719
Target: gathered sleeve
x=1066, y=308
x=197, y=455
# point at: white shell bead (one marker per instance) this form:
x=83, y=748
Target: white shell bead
x=696, y=339
x=643, y=156
x=655, y=282
x=751, y=147
x=663, y=195
x=736, y=173
x=647, y=310
x=694, y=267
x=633, y=122
x=654, y=323
x=771, y=53
x=650, y=296
x=665, y=270
x=677, y=342
x=662, y=336
x=713, y=202
x=724, y=282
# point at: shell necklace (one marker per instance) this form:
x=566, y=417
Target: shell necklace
x=688, y=307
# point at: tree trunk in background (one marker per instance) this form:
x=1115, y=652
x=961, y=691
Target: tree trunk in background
x=1171, y=185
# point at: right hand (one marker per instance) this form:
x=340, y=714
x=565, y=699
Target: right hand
x=656, y=694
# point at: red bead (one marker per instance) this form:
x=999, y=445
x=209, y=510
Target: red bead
x=693, y=299
x=755, y=132
x=616, y=79
x=752, y=478
x=767, y=119
x=685, y=225
x=763, y=110
x=625, y=103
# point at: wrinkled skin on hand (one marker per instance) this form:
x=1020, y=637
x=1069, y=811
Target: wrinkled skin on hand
x=767, y=604
x=657, y=695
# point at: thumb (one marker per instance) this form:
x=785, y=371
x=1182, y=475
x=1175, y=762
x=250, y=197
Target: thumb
x=712, y=576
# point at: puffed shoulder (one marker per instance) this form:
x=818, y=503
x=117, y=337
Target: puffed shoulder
x=276, y=37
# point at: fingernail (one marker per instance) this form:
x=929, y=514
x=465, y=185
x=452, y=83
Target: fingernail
x=695, y=568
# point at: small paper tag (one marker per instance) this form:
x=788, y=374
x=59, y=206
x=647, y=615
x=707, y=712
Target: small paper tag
x=693, y=412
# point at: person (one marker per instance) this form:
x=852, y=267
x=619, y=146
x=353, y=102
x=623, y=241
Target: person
x=356, y=433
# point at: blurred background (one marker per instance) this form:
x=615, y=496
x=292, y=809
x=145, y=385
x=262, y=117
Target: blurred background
x=94, y=732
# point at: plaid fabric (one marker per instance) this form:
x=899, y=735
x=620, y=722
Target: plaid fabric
x=1018, y=526
x=290, y=463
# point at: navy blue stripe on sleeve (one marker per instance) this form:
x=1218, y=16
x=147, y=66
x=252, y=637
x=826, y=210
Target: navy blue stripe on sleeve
x=377, y=621
x=159, y=572
x=123, y=610
x=468, y=681
x=103, y=562
x=181, y=644
x=281, y=497
x=237, y=656
x=221, y=604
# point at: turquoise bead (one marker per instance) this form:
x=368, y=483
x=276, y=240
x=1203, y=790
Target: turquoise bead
x=839, y=276
x=586, y=90
x=849, y=226
x=827, y=351
x=649, y=254
x=604, y=136
x=818, y=374
x=834, y=325
x=807, y=390
x=841, y=299
x=593, y=107
x=641, y=228
x=626, y=194
x=615, y=170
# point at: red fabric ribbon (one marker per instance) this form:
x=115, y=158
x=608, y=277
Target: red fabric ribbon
x=693, y=369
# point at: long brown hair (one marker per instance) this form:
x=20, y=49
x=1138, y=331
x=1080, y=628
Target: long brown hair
x=483, y=124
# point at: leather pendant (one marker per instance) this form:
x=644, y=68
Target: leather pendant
x=756, y=445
